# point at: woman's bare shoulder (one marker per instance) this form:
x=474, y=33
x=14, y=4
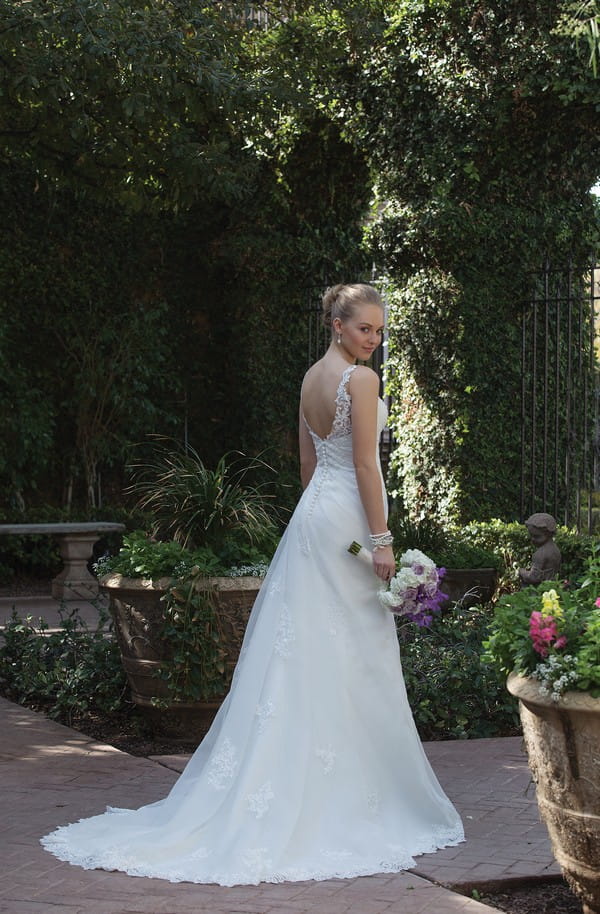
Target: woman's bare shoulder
x=363, y=378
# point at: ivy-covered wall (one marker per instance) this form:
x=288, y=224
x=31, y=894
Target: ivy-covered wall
x=171, y=196
x=481, y=125
x=118, y=325
x=86, y=340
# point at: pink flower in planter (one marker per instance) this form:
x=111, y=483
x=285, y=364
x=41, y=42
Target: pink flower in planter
x=598, y=602
x=543, y=632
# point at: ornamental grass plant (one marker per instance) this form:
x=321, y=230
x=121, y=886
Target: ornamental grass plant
x=205, y=523
x=197, y=505
x=551, y=633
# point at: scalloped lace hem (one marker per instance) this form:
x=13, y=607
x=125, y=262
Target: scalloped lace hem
x=196, y=867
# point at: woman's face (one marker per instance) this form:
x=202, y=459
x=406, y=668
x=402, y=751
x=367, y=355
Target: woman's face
x=363, y=332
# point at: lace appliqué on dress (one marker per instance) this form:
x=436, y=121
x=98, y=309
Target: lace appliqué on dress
x=259, y=802
x=342, y=421
x=264, y=712
x=327, y=757
x=337, y=620
x=222, y=766
x=285, y=634
x=374, y=802
x=256, y=860
x=275, y=587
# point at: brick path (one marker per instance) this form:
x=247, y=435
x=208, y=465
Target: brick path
x=51, y=775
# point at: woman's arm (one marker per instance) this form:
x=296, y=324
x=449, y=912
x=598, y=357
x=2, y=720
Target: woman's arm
x=364, y=390
x=308, y=457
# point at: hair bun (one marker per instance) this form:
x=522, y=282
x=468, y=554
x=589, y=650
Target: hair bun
x=341, y=301
x=329, y=301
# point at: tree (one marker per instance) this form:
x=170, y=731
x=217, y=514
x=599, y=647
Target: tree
x=142, y=99
x=481, y=125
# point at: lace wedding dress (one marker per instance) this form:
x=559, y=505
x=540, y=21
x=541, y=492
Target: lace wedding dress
x=313, y=768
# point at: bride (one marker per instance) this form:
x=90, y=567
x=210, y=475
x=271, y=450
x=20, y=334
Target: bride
x=313, y=768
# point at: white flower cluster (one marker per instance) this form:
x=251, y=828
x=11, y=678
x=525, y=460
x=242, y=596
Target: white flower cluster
x=556, y=674
x=258, y=570
x=417, y=576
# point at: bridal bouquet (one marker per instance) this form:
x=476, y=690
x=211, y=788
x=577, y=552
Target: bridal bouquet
x=414, y=590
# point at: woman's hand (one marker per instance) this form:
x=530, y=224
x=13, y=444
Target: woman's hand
x=384, y=564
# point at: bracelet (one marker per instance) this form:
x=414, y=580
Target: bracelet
x=379, y=540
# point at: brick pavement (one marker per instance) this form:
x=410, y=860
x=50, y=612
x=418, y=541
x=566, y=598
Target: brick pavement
x=51, y=775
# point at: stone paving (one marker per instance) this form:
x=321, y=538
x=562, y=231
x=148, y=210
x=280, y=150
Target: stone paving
x=51, y=775
x=45, y=607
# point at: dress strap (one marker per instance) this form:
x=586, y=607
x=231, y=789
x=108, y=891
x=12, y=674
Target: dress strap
x=342, y=423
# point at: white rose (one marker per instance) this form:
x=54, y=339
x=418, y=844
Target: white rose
x=388, y=599
x=406, y=579
x=416, y=558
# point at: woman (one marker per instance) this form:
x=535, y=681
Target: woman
x=313, y=768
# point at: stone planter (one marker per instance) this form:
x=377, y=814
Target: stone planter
x=137, y=612
x=468, y=585
x=563, y=746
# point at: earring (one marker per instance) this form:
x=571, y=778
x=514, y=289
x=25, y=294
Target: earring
x=339, y=339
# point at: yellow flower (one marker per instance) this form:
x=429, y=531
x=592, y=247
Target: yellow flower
x=551, y=604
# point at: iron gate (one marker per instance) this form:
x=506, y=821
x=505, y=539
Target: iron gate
x=559, y=396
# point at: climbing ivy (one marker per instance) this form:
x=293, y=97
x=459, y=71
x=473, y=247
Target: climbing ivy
x=480, y=121
x=179, y=181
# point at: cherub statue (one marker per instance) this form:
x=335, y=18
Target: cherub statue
x=545, y=561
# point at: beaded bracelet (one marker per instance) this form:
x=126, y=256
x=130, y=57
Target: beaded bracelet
x=380, y=540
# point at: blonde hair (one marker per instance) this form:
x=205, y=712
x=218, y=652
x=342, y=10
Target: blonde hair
x=341, y=301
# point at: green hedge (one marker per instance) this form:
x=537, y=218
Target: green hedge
x=453, y=693
x=116, y=325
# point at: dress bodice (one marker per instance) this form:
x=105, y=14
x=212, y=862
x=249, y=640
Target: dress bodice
x=336, y=447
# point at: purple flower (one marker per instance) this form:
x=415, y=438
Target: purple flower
x=414, y=591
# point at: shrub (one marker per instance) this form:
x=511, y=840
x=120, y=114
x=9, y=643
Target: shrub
x=66, y=672
x=495, y=543
x=142, y=557
x=511, y=541
x=449, y=548
x=453, y=693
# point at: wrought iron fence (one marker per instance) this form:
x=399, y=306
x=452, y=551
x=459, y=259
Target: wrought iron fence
x=560, y=395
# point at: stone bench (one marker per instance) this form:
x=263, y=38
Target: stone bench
x=76, y=544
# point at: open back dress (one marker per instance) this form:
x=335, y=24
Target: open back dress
x=313, y=768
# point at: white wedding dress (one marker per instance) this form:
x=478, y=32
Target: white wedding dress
x=313, y=768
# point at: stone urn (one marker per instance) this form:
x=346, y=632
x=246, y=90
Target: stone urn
x=136, y=608
x=563, y=746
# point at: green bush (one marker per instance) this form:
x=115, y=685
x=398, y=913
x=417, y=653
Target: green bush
x=511, y=541
x=453, y=693
x=66, y=672
x=504, y=545
x=448, y=548
x=142, y=557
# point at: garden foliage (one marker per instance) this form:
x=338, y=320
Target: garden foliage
x=180, y=181
x=453, y=692
x=66, y=672
x=171, y=204
x=481, y=125
x=551, y=632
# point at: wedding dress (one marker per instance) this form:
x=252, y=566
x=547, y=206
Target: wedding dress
x=313, y=768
